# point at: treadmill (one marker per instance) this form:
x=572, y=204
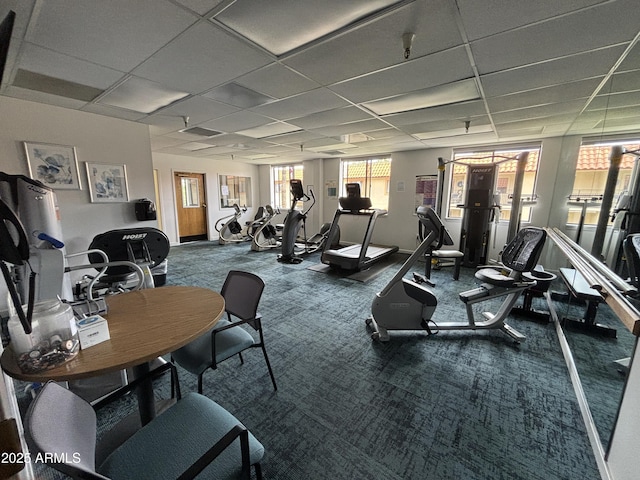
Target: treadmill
x=359, y=256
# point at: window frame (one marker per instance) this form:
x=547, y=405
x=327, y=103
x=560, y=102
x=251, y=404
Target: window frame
x=367, y=181
x=280, y=189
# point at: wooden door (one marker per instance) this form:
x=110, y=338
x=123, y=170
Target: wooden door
x=191, y=206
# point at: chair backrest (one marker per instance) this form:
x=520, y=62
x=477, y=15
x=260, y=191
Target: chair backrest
x=428, y=221
x=242, y=292
x=522, y=253
x=631, y=246
x=60, y=429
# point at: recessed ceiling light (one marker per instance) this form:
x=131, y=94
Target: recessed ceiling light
x=455, y=92
x=141, y=95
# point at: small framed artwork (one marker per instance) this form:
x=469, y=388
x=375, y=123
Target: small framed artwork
x=107, y=183
x=54, y=165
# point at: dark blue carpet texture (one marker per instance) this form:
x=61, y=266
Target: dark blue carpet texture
x=467, y=405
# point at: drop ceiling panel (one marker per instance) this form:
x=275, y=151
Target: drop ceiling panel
x=41, y=97
x=437, y=69
x=331, y=117
x=203, y=57
x=270, y=129
x=109, y=111
x=289, y=24
x=512, y=14
x=541, y=111
x=609, y=102
x=200, y=6
x=622, y=82
x=555, y=38
x=460, y=111
x=53, y=64
x=554, y=72
x=277, y=81
x=131, y=30
x=353, y=127
x=295, y=138
x=199, y=109
x=542, y=96
x=300, y=105
x=379, y=44
x=237, y=121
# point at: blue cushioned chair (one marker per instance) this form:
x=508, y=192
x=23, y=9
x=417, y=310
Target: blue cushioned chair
x=196, y=437
x=242, y=292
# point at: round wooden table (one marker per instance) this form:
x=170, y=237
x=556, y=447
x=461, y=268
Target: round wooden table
x=143, y=325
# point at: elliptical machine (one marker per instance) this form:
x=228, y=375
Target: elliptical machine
x=292, y=246
x=405, y=304
x=264, y=235
x=231, y=231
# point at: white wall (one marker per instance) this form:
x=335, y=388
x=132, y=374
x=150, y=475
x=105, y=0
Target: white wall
x=166, y=165
x=98, y=139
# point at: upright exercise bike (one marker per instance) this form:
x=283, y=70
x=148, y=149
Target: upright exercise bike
x=408, y=304
x=293, y=246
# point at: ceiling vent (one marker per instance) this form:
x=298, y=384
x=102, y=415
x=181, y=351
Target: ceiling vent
x=201, y=132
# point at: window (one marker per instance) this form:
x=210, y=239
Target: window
x=235, y=190
x=374, y=177
x=281, y=189
x=504, y=183
x=592, y=170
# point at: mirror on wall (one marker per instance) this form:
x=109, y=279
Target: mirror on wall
x=235, y=190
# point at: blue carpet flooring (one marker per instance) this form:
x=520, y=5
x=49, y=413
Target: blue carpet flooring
x=456, y=405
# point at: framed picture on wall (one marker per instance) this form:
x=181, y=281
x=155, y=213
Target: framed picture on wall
x=107, y=183
x=54, y=165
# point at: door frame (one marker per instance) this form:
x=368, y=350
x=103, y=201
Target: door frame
x=175, y=200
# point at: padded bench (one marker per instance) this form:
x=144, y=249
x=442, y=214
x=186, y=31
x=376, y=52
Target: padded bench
x=580, y=289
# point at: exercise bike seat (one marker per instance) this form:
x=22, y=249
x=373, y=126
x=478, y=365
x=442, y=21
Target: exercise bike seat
x=495, y=277
x=419, y=292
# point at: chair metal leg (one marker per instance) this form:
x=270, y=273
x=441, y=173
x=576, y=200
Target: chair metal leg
x=456, y=268
x=258, y=469
x=266, y=359
x=241, y=359
x=200, y=383
x=427, y=265
x=175, y=383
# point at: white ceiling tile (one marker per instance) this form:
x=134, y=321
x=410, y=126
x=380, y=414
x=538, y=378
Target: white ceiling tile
x=353, y=127
x=57, y=65
x=559, y=37
x=454, y=92
x=541, y=111
x=289, y=24
x=331, y=117
x=378, y=44
x=607, y=102
x=295, y=138
x=113, y=112
x=542, y=96
x=460, y=111
x=277, y=81
x=203, y=57
x=200, y=6
x=512, y=14
x=199, y=109
x=140, y=95
x=131, y=30
x=554, y=72
x=437, y=69
x=41, y=97
x=304, y=104
x=237, y=121
x=275, y=128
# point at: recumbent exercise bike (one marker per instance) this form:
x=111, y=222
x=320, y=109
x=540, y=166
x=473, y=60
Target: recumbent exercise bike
x=408, y=304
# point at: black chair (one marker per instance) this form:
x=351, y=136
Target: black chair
x=194, y=435
x=242, y=292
